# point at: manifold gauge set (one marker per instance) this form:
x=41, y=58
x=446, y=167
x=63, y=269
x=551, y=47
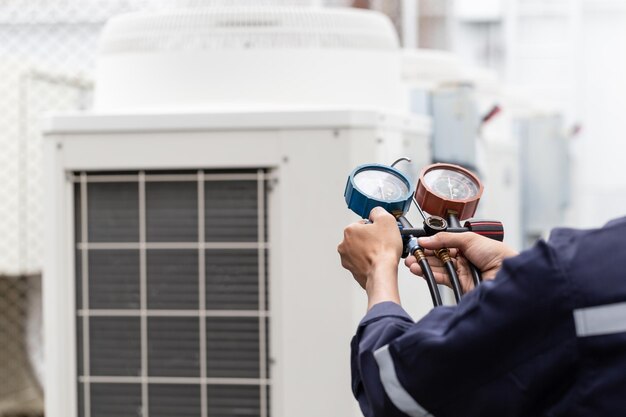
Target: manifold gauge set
x=445, y=195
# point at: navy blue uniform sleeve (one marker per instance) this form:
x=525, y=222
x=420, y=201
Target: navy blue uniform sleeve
x=382, y=323
x=507, y=343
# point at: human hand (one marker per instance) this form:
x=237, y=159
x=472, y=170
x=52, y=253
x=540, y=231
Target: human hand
x=486, y=255
x=369, y=247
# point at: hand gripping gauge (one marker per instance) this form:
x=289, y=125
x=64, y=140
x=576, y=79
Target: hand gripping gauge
x=447, y=192
x=375, y=185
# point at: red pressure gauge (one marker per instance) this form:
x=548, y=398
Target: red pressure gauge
x=445, y=189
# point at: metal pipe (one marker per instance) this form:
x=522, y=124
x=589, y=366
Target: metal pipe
x=410, y=24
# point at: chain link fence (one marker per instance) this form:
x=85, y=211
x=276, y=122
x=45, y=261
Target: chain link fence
x=47, y=58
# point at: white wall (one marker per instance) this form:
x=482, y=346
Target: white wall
x=601, y=149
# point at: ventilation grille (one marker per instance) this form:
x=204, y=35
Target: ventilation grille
x=171, y=294
x=216, y=28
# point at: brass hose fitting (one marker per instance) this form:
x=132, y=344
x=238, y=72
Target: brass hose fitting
x=444, y=255
x=419, y=255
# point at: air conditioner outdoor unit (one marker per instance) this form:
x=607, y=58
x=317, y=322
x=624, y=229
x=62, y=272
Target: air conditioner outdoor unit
x=191, y=265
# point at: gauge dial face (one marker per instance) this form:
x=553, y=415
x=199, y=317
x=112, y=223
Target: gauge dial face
x=450, y=184
x=381, y=185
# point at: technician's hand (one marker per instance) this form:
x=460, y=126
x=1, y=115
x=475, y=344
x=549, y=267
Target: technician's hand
x=371, y=252
x=486, y=254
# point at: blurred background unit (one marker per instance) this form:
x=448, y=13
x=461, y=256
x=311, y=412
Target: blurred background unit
x=193, y=215
x=545, y=168
x=437, y=88
x=498, y=154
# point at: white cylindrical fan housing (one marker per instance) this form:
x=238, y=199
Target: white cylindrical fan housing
x=234, y=58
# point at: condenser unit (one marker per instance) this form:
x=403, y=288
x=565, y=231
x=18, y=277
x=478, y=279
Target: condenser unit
x=191, y=264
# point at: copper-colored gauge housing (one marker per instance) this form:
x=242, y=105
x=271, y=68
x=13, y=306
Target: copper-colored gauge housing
x=446, y=188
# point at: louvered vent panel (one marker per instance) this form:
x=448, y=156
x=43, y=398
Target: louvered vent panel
x=114, y=279
x=113, y=212
x=233, y=401
x=179, y=400
x=79, y=349
x=115, y=346
x=115, y=400
x=232, y=347
x=232, y=279
x=172, y=279
x=172, y=211
x=231, y=211
x=171, y=293
x=173, y=346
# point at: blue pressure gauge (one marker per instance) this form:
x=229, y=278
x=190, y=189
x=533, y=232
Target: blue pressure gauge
x=375, y=185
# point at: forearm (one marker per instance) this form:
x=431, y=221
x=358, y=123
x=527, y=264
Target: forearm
x=382, y=284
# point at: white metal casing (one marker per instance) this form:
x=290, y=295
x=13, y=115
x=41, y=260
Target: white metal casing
x=315, y=305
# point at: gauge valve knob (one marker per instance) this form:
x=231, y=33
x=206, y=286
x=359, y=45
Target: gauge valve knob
x=492, y=229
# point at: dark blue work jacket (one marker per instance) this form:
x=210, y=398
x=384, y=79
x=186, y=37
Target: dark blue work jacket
x=547, y=337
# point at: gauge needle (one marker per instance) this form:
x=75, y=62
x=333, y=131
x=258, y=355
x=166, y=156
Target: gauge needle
x=380, y=187
x=450, y=187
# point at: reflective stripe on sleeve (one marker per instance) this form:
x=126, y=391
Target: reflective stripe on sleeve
x=396, y=392
x=600, y=320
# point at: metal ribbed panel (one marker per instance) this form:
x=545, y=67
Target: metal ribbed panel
x=114, y=279
x=233, y=401
x=275, y=27
x=171, y=212
x=169, y=400
x=232, y=347
x=77, y=217
x=116, y=400
x=115, y=346
x=80, y=400
x=230, y=211
x=173, y=346
x=232, y=279
x=172, y=279
x=113, y=212
x=79, y=347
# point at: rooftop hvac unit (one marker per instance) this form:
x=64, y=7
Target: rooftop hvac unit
x=191, y=262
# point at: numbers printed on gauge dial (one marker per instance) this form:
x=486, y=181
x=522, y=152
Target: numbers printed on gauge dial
x=451, y=185
x=381, y=185
x=445, y=189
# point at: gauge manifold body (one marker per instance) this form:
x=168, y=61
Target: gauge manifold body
x=443, y=189
x=375, y=185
